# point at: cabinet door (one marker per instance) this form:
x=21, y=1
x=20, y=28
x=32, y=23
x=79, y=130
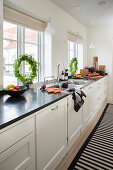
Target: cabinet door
x=74, y=122
x=86, y=107
x=104, y=92
x=105, y=88
x=20, y=155
x=51, y=132
x=92, y=100
x=101, y=90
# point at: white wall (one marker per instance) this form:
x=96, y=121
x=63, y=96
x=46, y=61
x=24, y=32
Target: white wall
x=102, y=37
x=1, y=54
x=62, y=23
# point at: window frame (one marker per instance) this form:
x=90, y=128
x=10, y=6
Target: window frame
x=21, y=49
x=76, y=52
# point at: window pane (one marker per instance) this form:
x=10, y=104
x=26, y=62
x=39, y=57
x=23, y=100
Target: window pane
x=31, y=49
x=9, y=51
x=71, y=54
x=9, y=77
x=71, y=45
x=9, y=56
x=34, y=46
x=30, y=36
x=27, y=71
x=10, y=31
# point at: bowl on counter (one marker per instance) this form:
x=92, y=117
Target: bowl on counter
x=16, y=93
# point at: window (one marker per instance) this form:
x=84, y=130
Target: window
x=10, y=51
x=34, y=43
x=75, y=49
x=72, y=50
x=20, y=40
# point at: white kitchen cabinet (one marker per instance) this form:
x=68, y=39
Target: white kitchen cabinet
x=86, y=106
x=92, y=98
x=96, y=94
x=100, y=92
x=18, y=153
x=104, y=88
x=51, y=135
x=74, y=122
x=54, y=125
x=89, y=104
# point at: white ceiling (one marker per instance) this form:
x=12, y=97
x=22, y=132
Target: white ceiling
x=90, y=12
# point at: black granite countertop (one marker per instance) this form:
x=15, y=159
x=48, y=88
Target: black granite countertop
x=14, y=109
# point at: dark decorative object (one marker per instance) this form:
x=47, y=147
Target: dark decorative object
x=90, y=69
x=16, y=93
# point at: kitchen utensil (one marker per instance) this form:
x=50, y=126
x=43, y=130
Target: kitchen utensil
x=95, y=62
x=96, y=77
x=102, y=68
x=83, y=72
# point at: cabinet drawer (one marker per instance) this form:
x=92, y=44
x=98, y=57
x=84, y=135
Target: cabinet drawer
x=15, y=134
x=19, y=156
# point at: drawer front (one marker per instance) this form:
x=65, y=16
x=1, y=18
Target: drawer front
x=19, y=156
x=15, y=134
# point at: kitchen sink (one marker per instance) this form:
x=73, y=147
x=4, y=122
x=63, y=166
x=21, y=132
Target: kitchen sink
x=78, y=82
x=71, y=83
x=56, y=86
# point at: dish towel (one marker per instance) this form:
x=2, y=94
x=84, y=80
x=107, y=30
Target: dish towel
x=77, y=96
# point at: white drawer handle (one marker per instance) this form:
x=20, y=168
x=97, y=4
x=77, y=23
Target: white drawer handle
x=55, y=108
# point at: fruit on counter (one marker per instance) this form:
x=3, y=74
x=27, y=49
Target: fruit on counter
x=17, y=87
x=12, y=87
x=90, y=75
x=43, y=87
x=94, y=74
x=74, y=75
x=97, y=74
x=77, y=76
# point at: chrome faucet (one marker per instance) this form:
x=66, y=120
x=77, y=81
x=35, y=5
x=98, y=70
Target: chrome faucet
x=58, y=76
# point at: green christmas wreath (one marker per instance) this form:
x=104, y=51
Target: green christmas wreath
x=73, y=66
x=33, y=67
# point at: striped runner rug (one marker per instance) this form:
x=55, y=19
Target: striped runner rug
x=97, y=151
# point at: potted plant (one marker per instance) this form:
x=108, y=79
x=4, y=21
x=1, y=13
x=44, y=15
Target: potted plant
x=73, y=66
x=33, y=67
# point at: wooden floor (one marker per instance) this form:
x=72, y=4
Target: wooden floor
x=66, y=161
